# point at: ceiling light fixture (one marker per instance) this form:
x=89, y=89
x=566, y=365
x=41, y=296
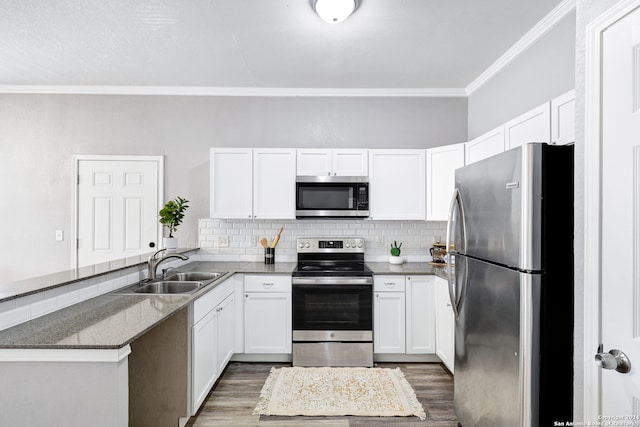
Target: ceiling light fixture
x=334, y=11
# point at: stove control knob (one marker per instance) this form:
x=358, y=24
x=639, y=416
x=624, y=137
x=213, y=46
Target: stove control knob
x=306, y=245
x=360, y=244
x=353, y=244
x=301, y=244
x=347, y=245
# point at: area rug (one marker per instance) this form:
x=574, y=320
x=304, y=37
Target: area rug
x=372, y=392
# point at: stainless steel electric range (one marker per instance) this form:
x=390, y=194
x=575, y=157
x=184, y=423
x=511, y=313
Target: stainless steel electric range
x=332, y=304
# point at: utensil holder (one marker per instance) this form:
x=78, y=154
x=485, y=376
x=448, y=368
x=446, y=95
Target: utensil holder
x=269, y=255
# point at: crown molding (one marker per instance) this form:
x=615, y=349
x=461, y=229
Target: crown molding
x=532, y=36
x=234, y=91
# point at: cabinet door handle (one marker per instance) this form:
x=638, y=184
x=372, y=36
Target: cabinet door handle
x=389, y=284
x=246, y=295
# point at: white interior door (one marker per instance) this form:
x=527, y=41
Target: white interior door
x=620, y=300
x=117, y=207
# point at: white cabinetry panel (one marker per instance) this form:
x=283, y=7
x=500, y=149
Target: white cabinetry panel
x=421, y=321
x=350, y=163
x=336, y=162
x=388, y=322
x=204, y=358
x=274, y=183
x=445, y=324
x=397, y=184
x=314, y=162
x=267, y=314
x=231, y=182
x=248, y=183
x=532, y=126
x=485, y=145
x=563, y=112
x=442, y=163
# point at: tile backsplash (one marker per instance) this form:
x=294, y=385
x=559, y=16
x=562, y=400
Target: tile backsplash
x=239, y=239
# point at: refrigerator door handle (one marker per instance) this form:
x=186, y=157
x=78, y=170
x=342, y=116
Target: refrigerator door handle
x=456, y=201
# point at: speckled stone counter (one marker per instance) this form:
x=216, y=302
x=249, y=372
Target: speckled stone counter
x=34, y=285
x=113, y=321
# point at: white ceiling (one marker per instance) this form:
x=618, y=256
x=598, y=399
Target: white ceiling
x=393, y=44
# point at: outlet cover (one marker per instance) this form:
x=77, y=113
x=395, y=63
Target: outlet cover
x=223, y=241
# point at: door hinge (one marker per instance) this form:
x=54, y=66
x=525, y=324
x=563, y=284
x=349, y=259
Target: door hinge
x=77, y=243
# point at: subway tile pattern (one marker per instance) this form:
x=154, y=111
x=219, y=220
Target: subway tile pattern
x=243, y=237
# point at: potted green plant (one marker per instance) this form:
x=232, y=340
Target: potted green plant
x=395, y=257
x=171, y=216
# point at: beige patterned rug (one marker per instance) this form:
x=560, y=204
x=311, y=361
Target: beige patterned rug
x=372, y=392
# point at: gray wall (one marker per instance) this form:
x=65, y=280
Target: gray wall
x=40, y=133
x=539, y=74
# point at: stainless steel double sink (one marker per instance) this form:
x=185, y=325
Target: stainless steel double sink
x=174, y=283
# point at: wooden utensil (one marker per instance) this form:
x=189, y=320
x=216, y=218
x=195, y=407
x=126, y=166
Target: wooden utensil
x=277, y=238
x=264, y=242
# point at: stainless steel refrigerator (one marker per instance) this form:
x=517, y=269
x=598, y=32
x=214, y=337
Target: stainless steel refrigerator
x=511, y=227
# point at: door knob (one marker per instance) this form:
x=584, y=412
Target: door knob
x=615, y=359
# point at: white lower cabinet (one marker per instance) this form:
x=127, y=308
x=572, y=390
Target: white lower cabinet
x=421, y=318
x=403, y=314
x=212, y=339
x=445, y=324
x=267, y=314
x=389, y=318
x=204, y=358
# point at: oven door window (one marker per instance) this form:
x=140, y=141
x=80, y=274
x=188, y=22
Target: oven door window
x=325, y=197
x=332, y=307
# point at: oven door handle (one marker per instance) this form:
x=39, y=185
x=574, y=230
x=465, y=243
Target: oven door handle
x=332, y=280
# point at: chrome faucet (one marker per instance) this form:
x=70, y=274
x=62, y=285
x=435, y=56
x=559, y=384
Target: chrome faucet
x=154, y=261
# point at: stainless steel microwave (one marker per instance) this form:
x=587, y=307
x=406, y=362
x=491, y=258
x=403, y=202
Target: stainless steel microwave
x=332, y=197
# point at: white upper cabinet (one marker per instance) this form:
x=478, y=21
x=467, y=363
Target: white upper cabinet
x=397, y=184
x=337, y=162
x=274, y=183
x=442, y=163
x=231, y=182
x=532, y=126
x=350, y=162
x=484, y=146
x=563, y=112
x=248, y=183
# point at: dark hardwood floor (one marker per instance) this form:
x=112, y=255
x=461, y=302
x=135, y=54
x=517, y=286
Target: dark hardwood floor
x=233, y=398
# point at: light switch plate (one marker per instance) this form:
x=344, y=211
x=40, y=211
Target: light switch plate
x=59, y=235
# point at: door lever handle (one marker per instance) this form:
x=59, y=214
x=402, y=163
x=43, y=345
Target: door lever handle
x=615, y=359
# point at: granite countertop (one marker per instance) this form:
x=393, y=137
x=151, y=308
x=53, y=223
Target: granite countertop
x=34, y=285
x=112, y=321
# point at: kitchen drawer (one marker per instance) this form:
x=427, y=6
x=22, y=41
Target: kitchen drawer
x=211, y=299
x=388, y=283
x=267, y=283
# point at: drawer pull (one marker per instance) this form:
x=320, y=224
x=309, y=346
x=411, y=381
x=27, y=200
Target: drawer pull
x=267, y=284
x=389, y=284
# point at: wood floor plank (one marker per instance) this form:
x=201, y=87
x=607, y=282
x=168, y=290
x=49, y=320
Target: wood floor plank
x=235, y=395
